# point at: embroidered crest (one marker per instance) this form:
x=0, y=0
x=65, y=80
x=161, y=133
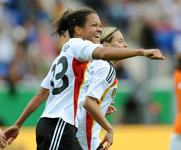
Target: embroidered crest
x=114, y=93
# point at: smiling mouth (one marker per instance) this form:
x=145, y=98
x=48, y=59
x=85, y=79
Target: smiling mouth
x=97, y=36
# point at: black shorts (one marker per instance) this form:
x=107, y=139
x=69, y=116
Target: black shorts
x=56, y=134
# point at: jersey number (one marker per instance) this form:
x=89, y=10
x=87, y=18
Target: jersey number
x=60, y=75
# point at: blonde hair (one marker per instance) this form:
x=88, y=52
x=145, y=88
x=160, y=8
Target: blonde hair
x=107, y=33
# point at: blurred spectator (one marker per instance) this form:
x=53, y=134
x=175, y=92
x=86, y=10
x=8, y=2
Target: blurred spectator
x=7, y=52
x=30, y=26
x=18, y=67
x=59, y=9
x=176, y=43
x=132, y=114
x=121, y=73
x=139, y=109
x=46, y=42
x=147, y=34
x=146, y=24
x=154, y=110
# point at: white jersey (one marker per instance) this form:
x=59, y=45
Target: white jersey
x=103, y=87
x=67, y=75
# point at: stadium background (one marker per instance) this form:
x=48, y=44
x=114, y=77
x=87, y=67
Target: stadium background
x=145, y=101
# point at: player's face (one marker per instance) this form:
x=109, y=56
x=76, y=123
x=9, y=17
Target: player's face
x=92, y=29
x=118, y=40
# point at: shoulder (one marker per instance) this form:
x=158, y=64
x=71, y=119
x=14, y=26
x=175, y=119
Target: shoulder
x=101, y=68
x=100, y=64
x=78, y=41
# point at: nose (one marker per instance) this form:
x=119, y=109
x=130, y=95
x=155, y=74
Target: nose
x=125, y=44
x=99, y=28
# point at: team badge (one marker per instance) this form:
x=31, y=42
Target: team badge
x=113, y=93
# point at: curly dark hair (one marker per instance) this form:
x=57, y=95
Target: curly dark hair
x=69, y=20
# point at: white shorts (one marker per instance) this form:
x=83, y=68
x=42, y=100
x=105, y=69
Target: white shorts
x=175, y=143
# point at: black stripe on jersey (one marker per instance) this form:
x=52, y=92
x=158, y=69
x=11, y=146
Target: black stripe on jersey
x=57, y=135
x=111, y=73
x=112, y=77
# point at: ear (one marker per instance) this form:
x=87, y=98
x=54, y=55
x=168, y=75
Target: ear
x=106, y=44
x=78, y=30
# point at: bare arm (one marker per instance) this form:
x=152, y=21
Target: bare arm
x=2, y=139
x=110, y=53
x=13, y=131
x=33, y=105
x=93, y=109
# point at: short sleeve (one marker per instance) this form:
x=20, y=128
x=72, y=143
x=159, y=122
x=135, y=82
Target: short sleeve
x=84, y=49
x=97, y=88
x=46, y=82
x=98, y=83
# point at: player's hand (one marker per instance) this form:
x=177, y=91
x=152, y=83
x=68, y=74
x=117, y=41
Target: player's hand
x=11, y=133
x=153, y=54
x=2, y=139
x=111, y=109
x=109, y=139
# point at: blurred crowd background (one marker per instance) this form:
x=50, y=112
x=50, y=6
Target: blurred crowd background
x=27, y=50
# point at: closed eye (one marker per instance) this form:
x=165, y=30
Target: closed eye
x=94, y=24
x=121, y=40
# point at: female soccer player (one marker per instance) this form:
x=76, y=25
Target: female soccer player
x=57, y=126
x=176, y=136
x=103, y=87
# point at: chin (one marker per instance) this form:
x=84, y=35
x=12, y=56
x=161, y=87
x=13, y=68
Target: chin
x=96, y=41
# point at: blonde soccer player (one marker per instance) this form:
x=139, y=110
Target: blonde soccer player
x=102, y=88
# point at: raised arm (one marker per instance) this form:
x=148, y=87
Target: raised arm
x=109, y=53
x=13, y=131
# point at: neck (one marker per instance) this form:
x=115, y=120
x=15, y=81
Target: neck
x=114, y=62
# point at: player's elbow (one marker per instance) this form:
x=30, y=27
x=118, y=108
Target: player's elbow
x=88, y=103
x=85, y=104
